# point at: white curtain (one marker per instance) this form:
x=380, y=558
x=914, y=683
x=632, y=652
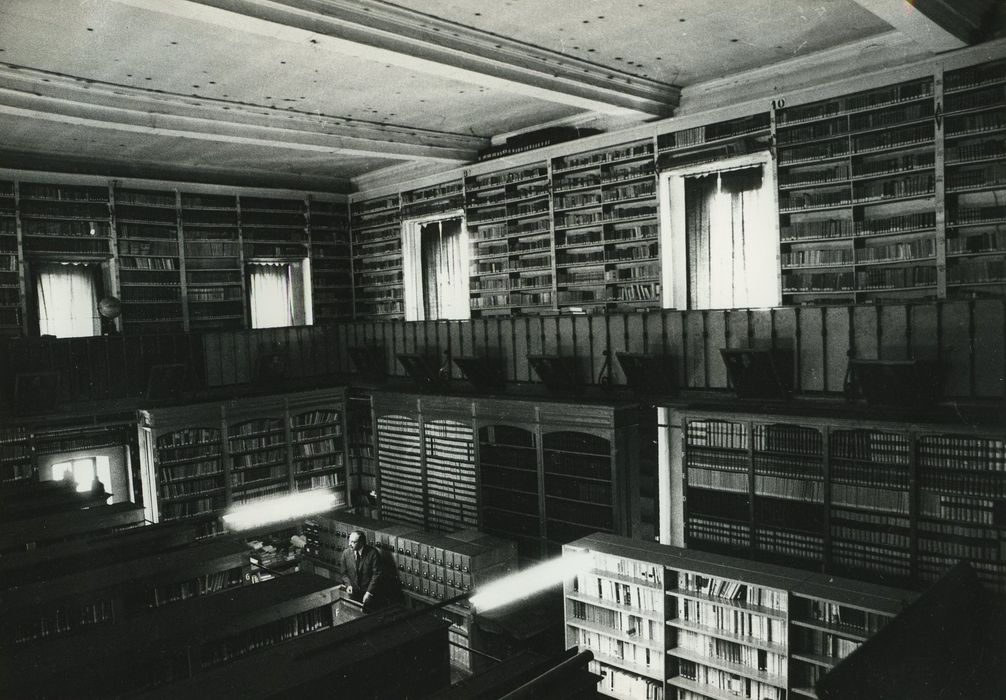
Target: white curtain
x=445, y=278
x=67, y=303
x=271, y=305
x=731, y=244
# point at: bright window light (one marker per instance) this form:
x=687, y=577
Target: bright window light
x=83, y=471
x=526, y=583
x=281, y=508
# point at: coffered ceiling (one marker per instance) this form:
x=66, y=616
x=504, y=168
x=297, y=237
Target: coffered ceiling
x=315, y=93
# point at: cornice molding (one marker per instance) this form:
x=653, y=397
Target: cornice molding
x=52, y=97
x=385, y=32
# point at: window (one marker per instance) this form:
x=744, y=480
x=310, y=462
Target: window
x=83, y=471
x=721, y=223
x=435, y=268
x=276, y=292
x=66, y=296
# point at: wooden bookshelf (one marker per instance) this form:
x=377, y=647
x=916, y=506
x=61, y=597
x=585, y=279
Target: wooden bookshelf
x=65, y=222
x=149, y=260
x=273, y=229
x=122, y=579
x=43, y=530
x=11, y=302
x=214, y=264
x=17, y=456
x=857, y=196
x=878, y=499
x=529, y=470
x=362, y=456
x=378, y=290
x=975, y=158
x=331, y=261
x=197, y=460
x=677, y=624
x=161, y=646
x=606, y=228
x=508, y=216
x=438, y=199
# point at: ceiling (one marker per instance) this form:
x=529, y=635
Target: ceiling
x=318, y=93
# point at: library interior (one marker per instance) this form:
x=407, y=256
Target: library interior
x=432, y=349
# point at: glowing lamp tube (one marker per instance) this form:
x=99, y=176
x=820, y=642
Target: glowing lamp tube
x=526, y=583
x=275, y=510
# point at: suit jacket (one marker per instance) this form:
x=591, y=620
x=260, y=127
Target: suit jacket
x=363, y=573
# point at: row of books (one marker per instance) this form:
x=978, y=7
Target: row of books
x=618, y=621
x=730, y=684
x=731, y=620
x=750, y=658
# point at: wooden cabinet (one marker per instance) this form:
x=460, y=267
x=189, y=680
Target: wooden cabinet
x=197, y=460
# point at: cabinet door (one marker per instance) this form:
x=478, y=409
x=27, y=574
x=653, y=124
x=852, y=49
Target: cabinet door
x=509, y=493
x=449, y=450
x=400, y=469
x=578, y=486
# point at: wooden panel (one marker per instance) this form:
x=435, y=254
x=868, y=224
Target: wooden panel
x=864, y=332
x=398, y=333
x=444, y=346
x=990, y=329
x=635, y=323
x=550, y=330
x=339, y=335
x=893, y=322
x=507, y=350
x=617, y=325
x=211, y=341
x=674, y=343
x=521, y=369
x=780, y=325
x=582, y=344
x=923, y=323
x=493, y=337
x=655, y=340
x=836, y=361
x=534, y=324
x=737, y=329
x=716, y=338
x=695, y=349
x=810, y=356
x=457, y=347
x=478, y=330
x=467, y=339
x=955, y=348
x=760, y=328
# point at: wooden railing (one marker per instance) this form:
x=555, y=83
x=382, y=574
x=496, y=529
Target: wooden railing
x=966, y=338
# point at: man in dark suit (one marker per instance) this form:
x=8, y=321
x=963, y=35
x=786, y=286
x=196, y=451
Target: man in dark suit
x=363, y=572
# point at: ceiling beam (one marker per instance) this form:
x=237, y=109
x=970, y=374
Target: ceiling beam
x=83, y=103
x=386, y=33
x=938, y=25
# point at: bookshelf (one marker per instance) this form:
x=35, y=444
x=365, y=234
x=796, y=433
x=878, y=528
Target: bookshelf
x=975, y=158
x=273, y=228
x=17, y=456
x=400, y=468
x=378, y=290
x=149, y=260
x=606, y=228
x=11, y=303
x=449, y=196
x=170, y=644
x=508, y=215
x=65, y=222
x=197, y=460
x=331, y=261
x=214, y=265
x=449, y=455
x=118, y=578
x=874, y=499
x=857, y=196
x=677, y=624
x=362, y=457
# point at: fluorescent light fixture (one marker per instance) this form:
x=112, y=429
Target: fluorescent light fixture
x=526, y=583
x=276, y=510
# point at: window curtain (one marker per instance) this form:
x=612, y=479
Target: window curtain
x=731, y=247
x=445, y=279
x=271, y=305
x=67, y=303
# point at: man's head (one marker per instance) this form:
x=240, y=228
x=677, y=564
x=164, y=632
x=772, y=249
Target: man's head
x=357, y=540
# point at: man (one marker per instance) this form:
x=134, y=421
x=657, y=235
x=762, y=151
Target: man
x=363, y=572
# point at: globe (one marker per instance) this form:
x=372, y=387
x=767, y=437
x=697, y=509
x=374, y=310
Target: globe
x=110, y=307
